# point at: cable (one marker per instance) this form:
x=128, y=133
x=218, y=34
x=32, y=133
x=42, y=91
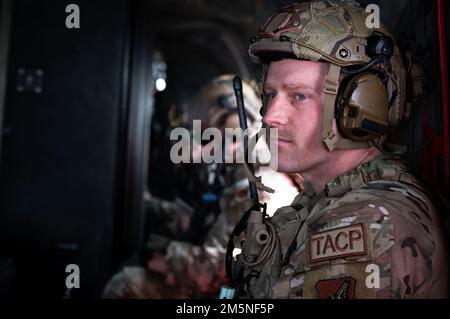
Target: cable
x=347, y=71
x=395, y=92
x=404, y=155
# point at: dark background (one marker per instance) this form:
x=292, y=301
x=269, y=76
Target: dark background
x=77, y=157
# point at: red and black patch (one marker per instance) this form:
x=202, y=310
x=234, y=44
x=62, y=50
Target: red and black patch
x=339, y=288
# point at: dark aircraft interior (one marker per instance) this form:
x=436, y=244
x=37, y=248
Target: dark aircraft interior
x=85, y=123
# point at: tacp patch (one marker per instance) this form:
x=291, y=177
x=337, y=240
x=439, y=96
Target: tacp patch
x=338, y=243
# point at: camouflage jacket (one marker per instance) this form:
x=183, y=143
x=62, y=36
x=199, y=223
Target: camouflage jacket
x=177, y=269
x=185, y=270
x=198, y=271
x=372, y=233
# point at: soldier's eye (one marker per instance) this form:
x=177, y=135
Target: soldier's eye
x=300, y=97
x=271, y=95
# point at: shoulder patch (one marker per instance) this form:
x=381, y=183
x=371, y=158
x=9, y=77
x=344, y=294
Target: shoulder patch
x=340, y=281
x=338, y=243
x=339, y=288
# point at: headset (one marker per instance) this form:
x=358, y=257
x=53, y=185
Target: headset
x=362, y=103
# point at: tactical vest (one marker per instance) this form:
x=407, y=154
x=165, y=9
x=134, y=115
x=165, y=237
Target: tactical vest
x=281, y=275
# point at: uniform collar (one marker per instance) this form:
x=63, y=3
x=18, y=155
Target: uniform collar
x=381, y=167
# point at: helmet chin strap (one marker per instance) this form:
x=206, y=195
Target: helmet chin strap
x=329, y=138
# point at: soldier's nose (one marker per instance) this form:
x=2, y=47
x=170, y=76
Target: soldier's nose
x=276, y=115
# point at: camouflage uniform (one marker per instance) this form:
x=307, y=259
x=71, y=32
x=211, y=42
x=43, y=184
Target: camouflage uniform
x=169, y=217
x=372, y=233
x=188, y=270
x=187, y=266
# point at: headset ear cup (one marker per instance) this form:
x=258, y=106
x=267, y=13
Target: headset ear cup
x=362, y=109
x=341, y=102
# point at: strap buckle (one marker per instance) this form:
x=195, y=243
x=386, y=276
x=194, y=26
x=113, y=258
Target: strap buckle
x=331, y=87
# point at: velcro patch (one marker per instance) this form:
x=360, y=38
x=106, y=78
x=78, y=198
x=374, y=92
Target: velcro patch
x=339, y=288
x=338, y=243
x=338, y=281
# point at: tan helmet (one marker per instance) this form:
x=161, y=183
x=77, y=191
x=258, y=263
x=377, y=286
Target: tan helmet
x=365, y=84
x=215, y=101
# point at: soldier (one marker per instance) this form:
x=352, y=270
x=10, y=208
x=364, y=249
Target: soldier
x=185, y=259
x=363, y=227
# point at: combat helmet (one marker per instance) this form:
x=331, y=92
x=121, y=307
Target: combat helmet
x=216, y=100
x=365, y=84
